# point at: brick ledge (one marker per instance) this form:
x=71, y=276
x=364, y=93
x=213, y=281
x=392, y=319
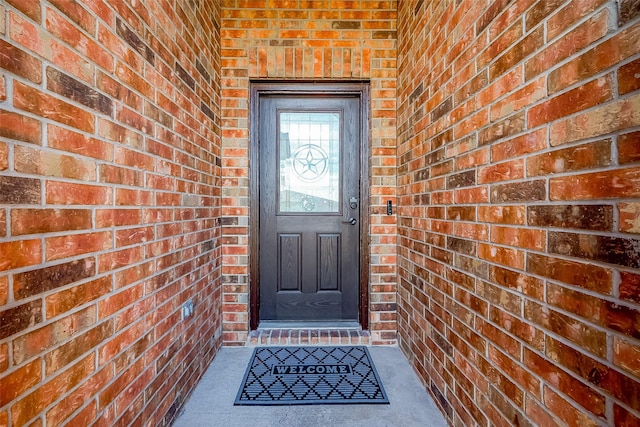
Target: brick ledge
x=283, y=337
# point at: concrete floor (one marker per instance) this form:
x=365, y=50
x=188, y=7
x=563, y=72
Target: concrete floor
x=212, y=401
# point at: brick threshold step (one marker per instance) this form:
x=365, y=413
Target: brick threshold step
x=308, y=336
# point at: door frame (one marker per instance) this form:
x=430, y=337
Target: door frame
x=359, y=89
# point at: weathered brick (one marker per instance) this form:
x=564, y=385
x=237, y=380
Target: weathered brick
x=134, y=41
x=20, y=253
x=19, y=62
x=606, y=378
x=18, y=190
x=577, y=303
x=4, y=291
x=490, y=14
x=70, y=351
x=114, y=389
x=580, y=333
x=612, y=250
x=565, y=411
x=519, y=237
x=588, y=95
x=500, y=43
x=71, y=88
x=77, y=13
x=64, y=409
x=517, y=53
x=505, y=171
x=460, y=213
x=185, y=76
x=68, y=299
x=121, y=91
x=540, y=11
x=32, y=404
x=135, y=120
x=70, y=34
x=518, y=192
x=22, y=128
x=502, y=214
x=630, y=287
x=442, y=109
x=31, y=8
x=536, y=412
x=621, y=318
x=528, y=143
x=45, y=105
x=77, y=244
x=629, y=147
x=38, y=40
x=571, y=13
x=623, y=417
x=524, y=97
x=34, y=221
x=17, y=319
x=35, y=161
x=512, y=258
x=462, y=179
x=64, y=139
x=615, y=49
x=596, y=185
x=117, y=217
x=507, y=127
x=587, y=156
x=588, y=217
x=4, y=156
x=567, y=45
x=36, y=342
x=628, y=80
x=45, y=279
x=629, y=10
x=63, y=193
x=605, y=119
x=19, y=381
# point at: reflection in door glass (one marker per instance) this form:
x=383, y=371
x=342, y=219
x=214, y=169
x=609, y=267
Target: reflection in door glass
x=309, y=157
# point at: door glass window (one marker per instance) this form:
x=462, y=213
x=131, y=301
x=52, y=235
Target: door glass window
x=309, y=162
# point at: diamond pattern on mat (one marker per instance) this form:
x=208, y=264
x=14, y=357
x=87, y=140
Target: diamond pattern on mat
x=260, y=387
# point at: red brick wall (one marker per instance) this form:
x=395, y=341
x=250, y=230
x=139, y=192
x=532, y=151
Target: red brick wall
x=109, y=208
x=519, y=195
x=308, y=40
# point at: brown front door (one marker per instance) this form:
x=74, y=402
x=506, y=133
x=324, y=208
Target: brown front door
x=309, y=208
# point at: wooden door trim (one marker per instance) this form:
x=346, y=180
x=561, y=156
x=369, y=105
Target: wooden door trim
x=271, y=88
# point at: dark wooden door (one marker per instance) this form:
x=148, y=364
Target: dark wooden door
x=309, y=208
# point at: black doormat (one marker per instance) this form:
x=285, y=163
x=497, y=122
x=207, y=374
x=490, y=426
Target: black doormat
x=310, y=376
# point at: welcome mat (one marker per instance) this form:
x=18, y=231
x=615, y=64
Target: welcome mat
x=310, y=375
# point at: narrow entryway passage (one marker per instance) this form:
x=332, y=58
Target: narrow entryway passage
x=212, y=401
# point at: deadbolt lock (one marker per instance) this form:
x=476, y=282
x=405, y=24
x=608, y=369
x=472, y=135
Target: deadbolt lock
x=353, y=203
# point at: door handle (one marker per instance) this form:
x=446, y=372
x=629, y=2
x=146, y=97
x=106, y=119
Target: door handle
x=351, y=221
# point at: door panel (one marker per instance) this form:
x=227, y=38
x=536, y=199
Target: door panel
x=290, y=262
x=329, y=262
x=309, y=192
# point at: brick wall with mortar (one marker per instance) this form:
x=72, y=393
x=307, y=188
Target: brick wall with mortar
x=109, y=208
x=519, y=208
x=307, y=40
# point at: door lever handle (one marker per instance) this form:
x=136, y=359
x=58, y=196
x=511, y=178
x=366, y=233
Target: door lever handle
x=351, y=221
